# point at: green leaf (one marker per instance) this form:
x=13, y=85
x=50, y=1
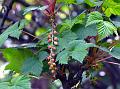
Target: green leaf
x=110, y=7
x=64, y=39
x=31, y=8
x=45, y=67
x=42, y=55
x=62, y=44
x=79, y=19
x=93, y=3
x=90, y=3
x=116, y=23
x=78, y=49
x=62, y=57
x=41, y=31
x=108, y=12
x=105, y=29
x=67, y=1
x=16, y=58
x=20, y=82
x=77, y=45
x=68, y=36
x=83, y=32
x=118, y=1
x=32, y=66
x=68, y=24
x=13, y=31
x=115, y=51
x=79, y=55
x=94, y=18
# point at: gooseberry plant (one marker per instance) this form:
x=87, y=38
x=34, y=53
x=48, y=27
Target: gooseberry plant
x=67, y=50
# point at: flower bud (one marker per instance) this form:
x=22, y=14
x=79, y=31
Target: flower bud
x=51, y=66
x=53, y=60
x=54, y=64
x=49, y=36
x=55, y=32
x=49, y=40
x=49, y=63
x=55, y=39
x=48, y=57
x=49, y=47
x=55, y=68
x=52, y=71
x=50, y=33
x=55, y=43
x=54, y=48
x=53, y=54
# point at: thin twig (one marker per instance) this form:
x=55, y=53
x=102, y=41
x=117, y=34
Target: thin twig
x=30, y=34
x=104, y=59
x=112, y=63
x=58, y=8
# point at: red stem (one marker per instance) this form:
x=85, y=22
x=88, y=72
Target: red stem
x=112, y=63
x=104, y=59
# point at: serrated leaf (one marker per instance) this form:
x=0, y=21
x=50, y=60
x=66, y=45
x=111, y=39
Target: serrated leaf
x=116, y=23
x=20, y=82
x=31, y=8
x=68, y=24
x=105, y=29
x=62, y=57
x=78, y=49
x=90, y=3
x=32, y=66
x=77, y=45
x=93, y=3
x=13, y=31
x=110, y=7
x=79, y=19
x=62, y=44
x=73, y=44
x=115, y=52
x=83, y=32
x=16, y=58
x=69, y=36
x=79, y=55
x=108, y=12
x=94, y=18
x=42, y=55
x=64, y=39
